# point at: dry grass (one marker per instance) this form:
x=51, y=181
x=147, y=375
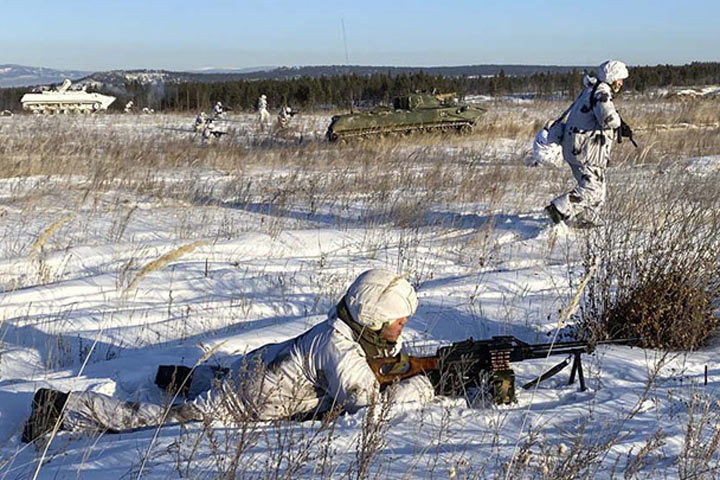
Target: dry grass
x=162, y=261
x=399, y=178
x=659, y=254
x=49, y=232
x=659, y=217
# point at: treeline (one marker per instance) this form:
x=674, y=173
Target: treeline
x=696, y=73
x=366, y=90
x=341, y=91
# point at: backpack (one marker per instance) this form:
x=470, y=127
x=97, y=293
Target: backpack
x=556, y=130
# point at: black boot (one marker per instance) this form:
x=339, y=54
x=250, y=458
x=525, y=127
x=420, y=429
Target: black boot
x=174, y=379
x=47, y=405
x=554, y=214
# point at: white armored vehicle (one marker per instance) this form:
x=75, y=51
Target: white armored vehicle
x=64, y=100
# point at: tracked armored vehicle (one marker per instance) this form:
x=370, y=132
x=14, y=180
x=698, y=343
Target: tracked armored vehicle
x=64, y=100
x=417, y=112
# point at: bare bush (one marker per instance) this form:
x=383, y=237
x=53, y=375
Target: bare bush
x=658, y=257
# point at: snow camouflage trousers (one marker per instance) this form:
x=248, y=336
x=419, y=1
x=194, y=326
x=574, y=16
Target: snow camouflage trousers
x=88, y=411
x=256, y=400
x=588, y=195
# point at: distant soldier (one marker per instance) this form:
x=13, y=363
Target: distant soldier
x=200, y=120
x=129, y=106
x=283, y=118
x=263, y=114
x=218, y=110
x=208, y=131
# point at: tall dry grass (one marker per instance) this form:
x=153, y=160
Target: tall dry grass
x=656, y=211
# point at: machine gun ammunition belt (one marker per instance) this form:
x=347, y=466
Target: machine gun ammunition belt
x=500, y=360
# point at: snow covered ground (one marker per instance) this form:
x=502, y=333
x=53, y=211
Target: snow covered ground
x=76, y=313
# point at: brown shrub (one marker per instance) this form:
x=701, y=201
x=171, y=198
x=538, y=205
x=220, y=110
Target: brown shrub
x=670, y=312
x=656, y=263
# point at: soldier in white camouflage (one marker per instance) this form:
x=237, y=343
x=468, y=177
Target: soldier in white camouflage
x=263, y=114
x=199, y=124
x=589, y=133
x=303, y=377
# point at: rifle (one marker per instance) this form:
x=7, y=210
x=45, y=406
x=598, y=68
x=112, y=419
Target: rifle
x=456, y=368
x=625, y=131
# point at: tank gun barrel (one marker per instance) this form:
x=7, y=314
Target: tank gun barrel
x=65, y=86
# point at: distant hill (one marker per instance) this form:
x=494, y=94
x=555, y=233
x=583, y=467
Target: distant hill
x=18, y=75
x=116, y=81
x=231, y=70
x=22, y=76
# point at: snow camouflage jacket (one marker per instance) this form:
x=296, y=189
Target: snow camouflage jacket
x=308, y=374
x=590, y=127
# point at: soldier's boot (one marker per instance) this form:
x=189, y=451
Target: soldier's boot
x=47, y=406
x=174, y=379
x=554, y=214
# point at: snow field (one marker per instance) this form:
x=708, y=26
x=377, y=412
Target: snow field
x=286, y=228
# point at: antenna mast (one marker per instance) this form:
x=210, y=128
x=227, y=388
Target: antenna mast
x=347, y=59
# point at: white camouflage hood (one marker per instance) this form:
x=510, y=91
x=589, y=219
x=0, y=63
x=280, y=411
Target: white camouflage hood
x=379, y=296
x=612, y=70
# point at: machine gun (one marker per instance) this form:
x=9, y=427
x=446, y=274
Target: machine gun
x=458, y=367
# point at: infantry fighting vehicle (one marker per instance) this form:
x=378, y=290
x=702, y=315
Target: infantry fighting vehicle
x=417, y=112
x=64, y=100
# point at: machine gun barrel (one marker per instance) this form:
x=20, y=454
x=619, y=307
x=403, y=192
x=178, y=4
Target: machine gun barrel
x=460, y=365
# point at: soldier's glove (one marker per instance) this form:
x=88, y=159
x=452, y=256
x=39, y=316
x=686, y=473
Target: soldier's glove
x=625, y=131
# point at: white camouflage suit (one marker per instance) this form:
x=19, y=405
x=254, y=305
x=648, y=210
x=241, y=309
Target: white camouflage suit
x=587, y=142
x=263, y=114
x=305, y=375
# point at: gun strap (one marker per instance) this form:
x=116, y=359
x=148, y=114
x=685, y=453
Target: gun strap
x=562, y=116
x=371, y=341
x=592, y=94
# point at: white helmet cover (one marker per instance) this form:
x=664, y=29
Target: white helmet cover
x=379, y=296
x=612, y=70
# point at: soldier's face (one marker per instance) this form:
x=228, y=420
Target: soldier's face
x=617, y=85
x=392, y=331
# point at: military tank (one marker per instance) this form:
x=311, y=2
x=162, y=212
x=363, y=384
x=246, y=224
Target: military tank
x=64, y=100
x=417, y=112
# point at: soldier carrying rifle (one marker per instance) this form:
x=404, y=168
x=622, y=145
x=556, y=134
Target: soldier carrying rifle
x=586, y=132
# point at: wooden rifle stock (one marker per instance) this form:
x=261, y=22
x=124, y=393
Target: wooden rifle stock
x=393, y=369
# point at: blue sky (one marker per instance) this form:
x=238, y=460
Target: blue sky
x=181, y=34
